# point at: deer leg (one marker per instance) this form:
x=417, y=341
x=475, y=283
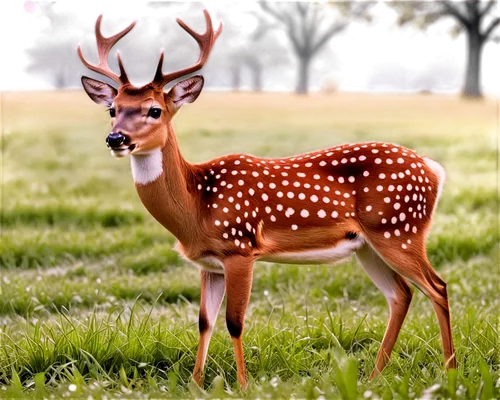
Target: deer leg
x=398, y=295
x=238, y=272
x=212, y=293
x=439, y=298
x=416, y=268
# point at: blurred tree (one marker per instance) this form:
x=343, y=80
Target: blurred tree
x=476, y=20
x=248, y=44
x=243, y=33
x=279, y=32
x=309, y=30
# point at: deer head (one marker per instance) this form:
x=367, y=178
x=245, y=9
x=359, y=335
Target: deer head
x=140, y=115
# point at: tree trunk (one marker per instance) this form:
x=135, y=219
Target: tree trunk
x=472, y=84
x=256, y=75
x=487, y=47
x=236, y=78
x=60, y=80
x=475, y=52
x=303, y=76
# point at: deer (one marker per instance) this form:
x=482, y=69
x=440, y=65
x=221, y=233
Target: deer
x=374, y=200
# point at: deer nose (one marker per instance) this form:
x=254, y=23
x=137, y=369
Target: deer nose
x=115, y=139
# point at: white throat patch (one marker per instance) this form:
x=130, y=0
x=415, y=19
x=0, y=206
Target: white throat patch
x=147, y=167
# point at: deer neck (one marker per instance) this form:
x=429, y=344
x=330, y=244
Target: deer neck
x=164, y=182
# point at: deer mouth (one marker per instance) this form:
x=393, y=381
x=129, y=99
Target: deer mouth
x=122, y=151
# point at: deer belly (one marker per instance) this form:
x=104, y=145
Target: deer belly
x=330, y=255
x=210, y=264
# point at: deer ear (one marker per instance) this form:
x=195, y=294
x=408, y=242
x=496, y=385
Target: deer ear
x=186, y=91
x=99, y=92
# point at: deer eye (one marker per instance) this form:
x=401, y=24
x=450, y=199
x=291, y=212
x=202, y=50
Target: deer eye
x=154, y=113
x=112, y=112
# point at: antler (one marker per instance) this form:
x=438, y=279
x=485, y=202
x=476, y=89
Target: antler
x=104, y=45
x=205, y=42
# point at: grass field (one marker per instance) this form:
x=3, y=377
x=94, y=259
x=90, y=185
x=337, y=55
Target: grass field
x=95, y=302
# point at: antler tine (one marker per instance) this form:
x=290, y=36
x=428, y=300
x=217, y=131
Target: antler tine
x=123, y=73
x=205, y=42
x=104, y=45
x=158, y=74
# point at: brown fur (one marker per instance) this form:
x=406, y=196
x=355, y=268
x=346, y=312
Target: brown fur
x=230, y=211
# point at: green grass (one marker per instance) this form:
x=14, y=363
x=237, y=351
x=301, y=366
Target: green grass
x=95, y=302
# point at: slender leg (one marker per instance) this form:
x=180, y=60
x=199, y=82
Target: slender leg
x=238, y=272
x=439, y=299
x=398, y=294
x=212, y=293
x=416, y=268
